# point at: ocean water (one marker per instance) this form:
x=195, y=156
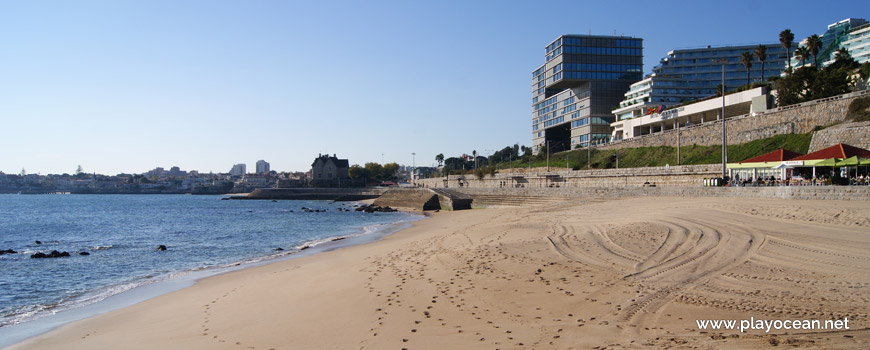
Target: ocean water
x=122, y=233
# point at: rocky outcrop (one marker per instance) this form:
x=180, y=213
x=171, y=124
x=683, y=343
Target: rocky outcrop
x=7, y=251
x=53, y=254
x=161, y=247
x=375, y=208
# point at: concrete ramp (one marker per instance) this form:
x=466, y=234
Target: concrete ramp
x=423, y=199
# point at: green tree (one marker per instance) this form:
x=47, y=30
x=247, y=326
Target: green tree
x=786, y=38
x=814, y=44
x=746, y=59
x=802, y=54
x=440, y=159
x=842, y=55
x=795, y=87
x=761, y=55
x=374, y=170
x=388, y=171
x=357, y=172
x=454, y=163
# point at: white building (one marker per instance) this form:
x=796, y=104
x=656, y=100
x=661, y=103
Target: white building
x=239, y=170
x=262, y=166
x=740, y=103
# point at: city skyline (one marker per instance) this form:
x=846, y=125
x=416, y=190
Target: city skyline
x=124, y=87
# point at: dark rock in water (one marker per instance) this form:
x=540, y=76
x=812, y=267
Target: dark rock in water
x=7, y=251
x=161, y=247
x=53, y=254
x=374, y=208
x=38, y=242
x=338, y=239
x=279, y=249
x=84, y=253
x=304, y=247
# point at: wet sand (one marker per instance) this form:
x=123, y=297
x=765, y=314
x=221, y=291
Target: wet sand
x=629, y=273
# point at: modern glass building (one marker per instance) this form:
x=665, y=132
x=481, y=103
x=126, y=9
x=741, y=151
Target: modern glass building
x=858, y=43
x=850, y=33
x=687, y=75
x=573, y=92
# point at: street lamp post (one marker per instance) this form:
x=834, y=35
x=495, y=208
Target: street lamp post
x=723, y=61
x=548, y=156
x=413, y=164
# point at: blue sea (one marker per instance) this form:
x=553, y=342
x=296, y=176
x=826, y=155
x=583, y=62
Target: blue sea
x=122, y=232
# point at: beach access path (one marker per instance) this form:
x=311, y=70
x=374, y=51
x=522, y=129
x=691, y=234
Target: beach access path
x=615, y=273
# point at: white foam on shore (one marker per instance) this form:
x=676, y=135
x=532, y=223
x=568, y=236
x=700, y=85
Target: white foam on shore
x=38, y=319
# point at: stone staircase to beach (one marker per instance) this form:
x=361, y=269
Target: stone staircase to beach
x=496, y=201
x=480, y=200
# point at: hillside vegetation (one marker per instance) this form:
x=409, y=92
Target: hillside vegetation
x=663, y=155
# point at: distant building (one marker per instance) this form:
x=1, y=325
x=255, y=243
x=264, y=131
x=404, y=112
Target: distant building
x=238, y=170
x=176, y=171
x=157, y=172
x=326, y=169
x=262, y=167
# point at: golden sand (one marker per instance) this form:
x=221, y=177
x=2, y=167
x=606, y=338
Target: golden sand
x=629, y=273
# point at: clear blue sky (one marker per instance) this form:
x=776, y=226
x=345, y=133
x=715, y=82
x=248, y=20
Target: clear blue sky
x=126, y=86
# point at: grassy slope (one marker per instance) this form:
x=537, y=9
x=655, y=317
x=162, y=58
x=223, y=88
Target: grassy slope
x=659, y=156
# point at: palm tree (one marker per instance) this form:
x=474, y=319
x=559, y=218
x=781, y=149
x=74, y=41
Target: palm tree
x=802, y=53
x=440, y=159
x=746, y=59
x=814, y=44
x=786, y=38
x=761, y=54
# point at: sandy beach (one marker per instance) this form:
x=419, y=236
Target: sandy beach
x=594, y=274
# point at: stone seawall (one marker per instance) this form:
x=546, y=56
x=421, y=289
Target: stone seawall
x=670, y=176
x=795, y=119
x=420, y=199
x=855, y=134
x=493, y=195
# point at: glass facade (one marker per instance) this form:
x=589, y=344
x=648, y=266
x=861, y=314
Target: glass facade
x=839, y=35
x=573, y=92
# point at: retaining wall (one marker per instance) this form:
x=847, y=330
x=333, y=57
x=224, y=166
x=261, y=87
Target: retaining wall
x=577, y=193
x=670, y=176
x=800, y=118
x=855, y=134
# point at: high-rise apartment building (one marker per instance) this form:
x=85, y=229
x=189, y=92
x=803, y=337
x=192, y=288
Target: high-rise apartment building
x=262, y=166
x=238, y=170
x=573, y=92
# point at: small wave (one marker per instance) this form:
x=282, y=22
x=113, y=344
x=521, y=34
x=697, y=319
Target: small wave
x=74, y=301
x=102, y=247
